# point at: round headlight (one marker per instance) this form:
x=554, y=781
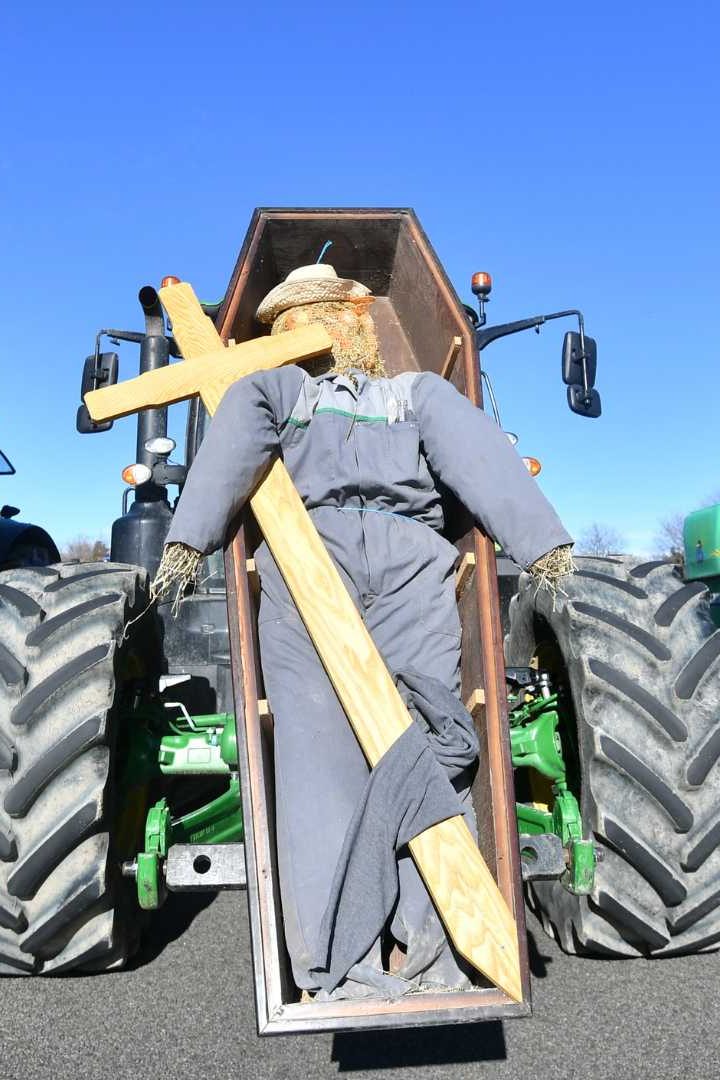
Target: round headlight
x=161, y=445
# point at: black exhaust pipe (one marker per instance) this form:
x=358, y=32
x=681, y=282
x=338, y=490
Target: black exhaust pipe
x=154, y=318
x=138, y=536
x=154, y=353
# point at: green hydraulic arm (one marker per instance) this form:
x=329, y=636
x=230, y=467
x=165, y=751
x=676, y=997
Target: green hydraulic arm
x=196, y=746
x=206, y=745
x=535, y=743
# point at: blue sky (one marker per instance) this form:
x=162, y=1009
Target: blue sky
x=571, y=150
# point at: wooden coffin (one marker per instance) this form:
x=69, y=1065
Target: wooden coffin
x=421, y=326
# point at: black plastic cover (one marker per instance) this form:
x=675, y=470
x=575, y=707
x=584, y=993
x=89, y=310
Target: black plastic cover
x=572, y=371
x=23, y=544
x=95, y=376
x=85, y=424
x=576, y=401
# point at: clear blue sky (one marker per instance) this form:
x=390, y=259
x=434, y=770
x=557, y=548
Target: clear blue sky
x=570, y=149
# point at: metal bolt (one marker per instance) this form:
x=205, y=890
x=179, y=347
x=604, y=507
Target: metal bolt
x=129, y=869
x=544, y=684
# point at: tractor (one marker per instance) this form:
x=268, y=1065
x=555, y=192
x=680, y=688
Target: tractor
x=121, y=773
x=22, y=544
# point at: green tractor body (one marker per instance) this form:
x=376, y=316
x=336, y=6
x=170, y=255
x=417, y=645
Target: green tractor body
x=701, y=536
x=159, y=760
x=21, y=543
x=612, y=690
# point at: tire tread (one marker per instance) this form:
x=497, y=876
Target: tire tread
x=60, y=908
x=649, y=740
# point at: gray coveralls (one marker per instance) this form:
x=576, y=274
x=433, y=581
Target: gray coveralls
x=366, y=457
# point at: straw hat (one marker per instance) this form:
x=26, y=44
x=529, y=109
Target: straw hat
x=308, y=285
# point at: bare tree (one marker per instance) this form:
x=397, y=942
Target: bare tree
x=599, y=539
x=669, y=540
x=82, y=549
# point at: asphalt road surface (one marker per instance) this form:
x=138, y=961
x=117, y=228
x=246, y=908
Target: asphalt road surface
x=185, y=1009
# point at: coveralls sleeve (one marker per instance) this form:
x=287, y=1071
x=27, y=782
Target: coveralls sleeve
x=241, y=439
x=473, y=457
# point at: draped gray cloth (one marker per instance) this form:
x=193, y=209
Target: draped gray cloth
x=409, y=790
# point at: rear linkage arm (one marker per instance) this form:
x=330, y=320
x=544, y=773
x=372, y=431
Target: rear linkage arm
x=551, y=841
x=180, y=853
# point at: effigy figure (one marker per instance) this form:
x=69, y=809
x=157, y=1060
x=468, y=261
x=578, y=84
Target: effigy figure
x=368, y=456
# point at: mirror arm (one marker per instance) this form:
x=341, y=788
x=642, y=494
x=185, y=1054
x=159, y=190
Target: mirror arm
x=483, y=337
x=492, y=333
x=134, y=336
x=118, y=335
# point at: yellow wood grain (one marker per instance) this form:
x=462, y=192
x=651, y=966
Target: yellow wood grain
x=217, y=370
x=194, y=332
x=475, y=702
x=464, y=571
x=361, y=679
x=452, y=355
x=462, y=886
x=471, y=906
x=469, y=902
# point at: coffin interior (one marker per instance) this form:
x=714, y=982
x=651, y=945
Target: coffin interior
x=418, y=317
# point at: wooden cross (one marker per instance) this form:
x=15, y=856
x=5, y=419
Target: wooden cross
x=475, y=914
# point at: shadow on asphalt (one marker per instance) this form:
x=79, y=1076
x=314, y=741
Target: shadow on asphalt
x=169, y=923
x=453, y=1044
x=538, y=961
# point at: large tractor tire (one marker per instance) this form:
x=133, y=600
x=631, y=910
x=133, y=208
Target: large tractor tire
x=636, y=651
x=65, y=671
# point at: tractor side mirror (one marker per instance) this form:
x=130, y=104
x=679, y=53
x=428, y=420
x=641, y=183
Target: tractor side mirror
x=85, y=424
x=582, y=405
x=572, y=372
x=572, y=369
x=6, y=466
x=98, y=372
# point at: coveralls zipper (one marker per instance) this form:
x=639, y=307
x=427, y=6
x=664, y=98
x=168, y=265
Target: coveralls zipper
x=352, y=432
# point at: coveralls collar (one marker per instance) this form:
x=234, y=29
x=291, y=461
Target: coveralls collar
x=345, y=382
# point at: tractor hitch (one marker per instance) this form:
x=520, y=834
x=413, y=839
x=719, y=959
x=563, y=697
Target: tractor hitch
x=551, y=833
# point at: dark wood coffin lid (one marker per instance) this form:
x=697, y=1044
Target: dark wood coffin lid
x=419, y=313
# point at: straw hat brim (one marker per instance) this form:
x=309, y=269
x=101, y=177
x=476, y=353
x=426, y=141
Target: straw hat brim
x=312, y=291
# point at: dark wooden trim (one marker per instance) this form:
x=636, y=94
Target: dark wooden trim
x=419, y=1010
x=278, y=1009
x=507, y=867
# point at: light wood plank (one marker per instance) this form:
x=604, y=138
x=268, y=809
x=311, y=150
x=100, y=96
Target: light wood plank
x=453, y=353
x=474, y=911
x=253, y=578
x=215, y=371
x=361, y=679
x=464, y=572
x=460, y=882
x=470, y=904
x=193, y=330
x=475, y=702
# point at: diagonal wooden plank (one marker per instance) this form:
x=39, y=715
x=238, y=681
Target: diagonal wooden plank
x=193, y=330
x=473, y=910
x=468, y=900
x=172, y=383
